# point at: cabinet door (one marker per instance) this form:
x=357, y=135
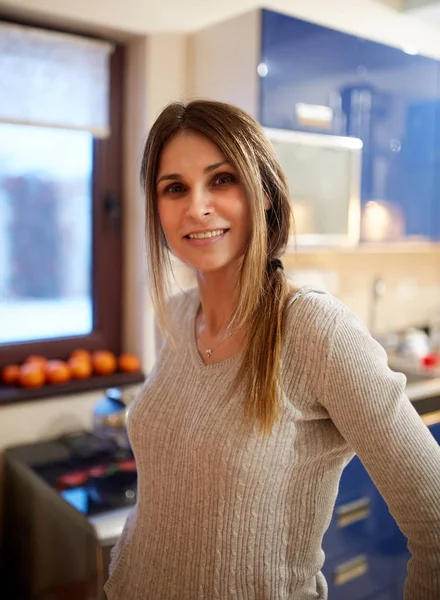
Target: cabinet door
x=305, y=66
x=394, y=109
x=361, y=519
x=435, y=430
x=360, y=576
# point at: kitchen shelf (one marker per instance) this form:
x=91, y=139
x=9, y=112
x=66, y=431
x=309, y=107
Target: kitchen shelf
x=13, y=394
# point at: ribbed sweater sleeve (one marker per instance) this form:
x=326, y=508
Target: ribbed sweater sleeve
x=368, y=405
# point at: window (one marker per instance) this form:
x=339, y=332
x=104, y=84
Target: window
x=60, y=227
x=45, y=233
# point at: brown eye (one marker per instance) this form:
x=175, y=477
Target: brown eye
x=175, y=188
x=224, y=179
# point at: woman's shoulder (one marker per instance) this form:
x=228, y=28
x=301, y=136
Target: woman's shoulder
x=309, y=309
x=316, y=321
x=317, y=325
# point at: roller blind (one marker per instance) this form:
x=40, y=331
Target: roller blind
x=54, y=79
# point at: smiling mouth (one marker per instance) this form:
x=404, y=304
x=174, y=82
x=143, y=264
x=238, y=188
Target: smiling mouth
x=206, y=234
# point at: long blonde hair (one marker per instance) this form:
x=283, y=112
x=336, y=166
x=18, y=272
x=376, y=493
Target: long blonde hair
x=263, y=289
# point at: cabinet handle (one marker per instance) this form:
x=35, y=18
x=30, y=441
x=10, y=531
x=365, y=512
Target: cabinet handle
x=350, y=570
x=352, y=512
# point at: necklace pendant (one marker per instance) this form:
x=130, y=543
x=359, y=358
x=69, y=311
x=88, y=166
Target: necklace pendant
x=208, y=352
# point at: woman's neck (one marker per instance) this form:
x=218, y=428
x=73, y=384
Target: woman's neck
x=218, y=297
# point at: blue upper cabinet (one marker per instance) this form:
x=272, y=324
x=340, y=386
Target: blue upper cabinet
x=304, y=67
x=393, y=108
x=316, y=79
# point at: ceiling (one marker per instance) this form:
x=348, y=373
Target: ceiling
x=383, y=20
x=427, y=11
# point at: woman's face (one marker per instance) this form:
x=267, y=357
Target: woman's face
x=202, y=205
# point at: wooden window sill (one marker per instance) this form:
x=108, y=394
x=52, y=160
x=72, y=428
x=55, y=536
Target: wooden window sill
x=12, y=394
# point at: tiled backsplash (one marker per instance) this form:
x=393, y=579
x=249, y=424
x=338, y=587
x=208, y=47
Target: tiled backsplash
x=411, y=276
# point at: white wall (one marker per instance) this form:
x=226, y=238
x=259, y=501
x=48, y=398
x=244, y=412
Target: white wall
x=219, y=54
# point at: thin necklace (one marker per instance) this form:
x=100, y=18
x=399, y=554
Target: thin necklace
x=209, y=351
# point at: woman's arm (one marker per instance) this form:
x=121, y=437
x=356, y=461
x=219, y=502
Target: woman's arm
x=368, y=405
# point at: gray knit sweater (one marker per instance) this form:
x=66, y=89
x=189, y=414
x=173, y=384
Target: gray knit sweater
x=224, y=513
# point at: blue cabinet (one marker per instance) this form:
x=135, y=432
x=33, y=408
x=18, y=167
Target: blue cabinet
x=366, y=553
x=400, y=91
x=316, y=79
x=435, y=430
x=361, y=520
x=306, y=65
x=362, y=576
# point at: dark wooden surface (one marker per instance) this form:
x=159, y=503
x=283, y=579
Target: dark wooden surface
x=10, y=394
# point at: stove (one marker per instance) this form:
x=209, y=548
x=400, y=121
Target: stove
x=66, y=504
x=94, y=476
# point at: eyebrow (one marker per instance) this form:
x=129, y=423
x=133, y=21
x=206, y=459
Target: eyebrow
x=174, y=176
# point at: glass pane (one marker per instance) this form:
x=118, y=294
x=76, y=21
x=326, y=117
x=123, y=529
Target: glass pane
x=45, y=233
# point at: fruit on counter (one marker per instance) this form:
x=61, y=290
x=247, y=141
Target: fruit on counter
x=11, y=374
x=31, y=375
x=81, y=353
x=57, y=371
x=81, y=364
x=104, y=362
x=129, y=363
x=80, y=367
x=37, y=360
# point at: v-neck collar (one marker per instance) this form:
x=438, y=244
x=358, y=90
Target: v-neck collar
x=194, y=350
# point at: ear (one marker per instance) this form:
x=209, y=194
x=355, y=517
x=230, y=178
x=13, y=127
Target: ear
x=267, y=202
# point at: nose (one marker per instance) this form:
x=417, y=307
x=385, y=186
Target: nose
x=199, y=203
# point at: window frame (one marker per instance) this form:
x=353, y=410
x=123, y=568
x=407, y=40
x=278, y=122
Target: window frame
x=107, y=260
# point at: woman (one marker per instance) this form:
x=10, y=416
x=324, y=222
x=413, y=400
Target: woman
x=260, y=394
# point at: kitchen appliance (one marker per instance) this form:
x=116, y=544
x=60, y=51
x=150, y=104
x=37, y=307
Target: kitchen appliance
x=324, y=177
x=110, y=416
x=66, y=503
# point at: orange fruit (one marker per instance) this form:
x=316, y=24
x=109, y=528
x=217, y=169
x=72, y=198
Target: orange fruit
x=10, y=374
x=36, y=360
x=80, y=368
x=129, y=363
x=81, y=353
x=31, y=375
x=104, y=362
x=57, y=371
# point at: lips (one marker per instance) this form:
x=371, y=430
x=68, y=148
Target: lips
x=205, y=238
x=207, y=234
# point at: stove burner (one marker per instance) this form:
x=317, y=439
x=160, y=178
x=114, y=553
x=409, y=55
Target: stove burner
x=114, y=490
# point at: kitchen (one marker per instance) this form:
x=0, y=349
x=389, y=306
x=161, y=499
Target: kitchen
x=179, y=65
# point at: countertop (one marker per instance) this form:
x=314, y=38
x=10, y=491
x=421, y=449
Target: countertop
x=419, y=390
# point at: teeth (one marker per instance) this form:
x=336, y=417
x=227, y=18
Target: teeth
x=207, y=234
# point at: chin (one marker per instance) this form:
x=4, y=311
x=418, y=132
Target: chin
x=210, y=265
x=205, y=267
